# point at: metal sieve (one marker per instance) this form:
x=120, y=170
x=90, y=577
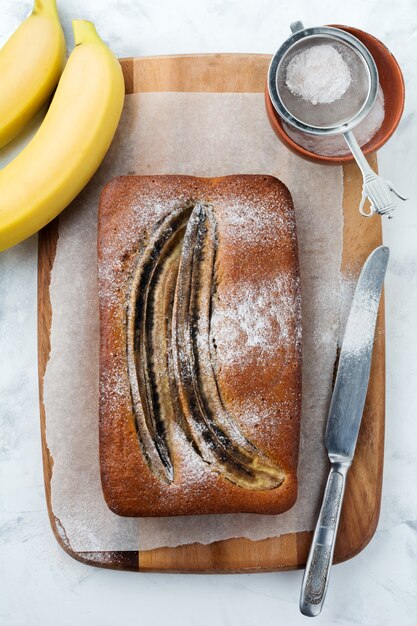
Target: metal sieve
x=343, y=114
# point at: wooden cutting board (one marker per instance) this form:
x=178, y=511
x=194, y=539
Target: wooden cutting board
x=243, y=73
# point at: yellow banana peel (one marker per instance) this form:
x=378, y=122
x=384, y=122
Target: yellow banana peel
x=31, y=62
x=69, y=145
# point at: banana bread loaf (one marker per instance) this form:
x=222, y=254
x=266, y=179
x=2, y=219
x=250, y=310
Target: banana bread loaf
x=200, y=345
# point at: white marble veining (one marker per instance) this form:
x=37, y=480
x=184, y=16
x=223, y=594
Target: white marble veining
x=39, y=583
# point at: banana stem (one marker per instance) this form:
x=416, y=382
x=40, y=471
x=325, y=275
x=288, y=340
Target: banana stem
x=84, y=32
x=47, y=7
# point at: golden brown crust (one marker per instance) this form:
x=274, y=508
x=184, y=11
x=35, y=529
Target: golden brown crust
x=259, y=376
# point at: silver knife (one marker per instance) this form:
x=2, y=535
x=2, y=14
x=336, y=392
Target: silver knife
x=343, y=422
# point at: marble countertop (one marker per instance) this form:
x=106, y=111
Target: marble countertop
x=39, y=583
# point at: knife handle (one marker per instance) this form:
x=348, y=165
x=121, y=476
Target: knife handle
x=320, y=558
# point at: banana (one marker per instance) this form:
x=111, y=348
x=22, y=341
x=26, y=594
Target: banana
x=31, y=62
x=169, y=356
x=148, y=339
x=69, y=145
x=214, y=433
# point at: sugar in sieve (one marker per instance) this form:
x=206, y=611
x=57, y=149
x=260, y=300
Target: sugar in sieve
x=343, y=114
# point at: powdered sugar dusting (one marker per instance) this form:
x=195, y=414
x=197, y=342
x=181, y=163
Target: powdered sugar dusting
x=318, y=74
x=189, y=463
x=356, y=329
x=254, y=413
x=256, y=322
x=359, y=333
x=335, y=145
x=245, y=220
x=115, y=386
x=347, y=288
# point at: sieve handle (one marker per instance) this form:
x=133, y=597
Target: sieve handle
x=377, y=189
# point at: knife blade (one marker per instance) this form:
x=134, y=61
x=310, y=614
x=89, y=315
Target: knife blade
x=349, y=393
x=343, y=423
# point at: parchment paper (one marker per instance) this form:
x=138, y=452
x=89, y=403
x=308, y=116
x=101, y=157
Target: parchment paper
x=201, y=135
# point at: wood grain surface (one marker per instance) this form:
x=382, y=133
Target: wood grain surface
x=242, y=73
